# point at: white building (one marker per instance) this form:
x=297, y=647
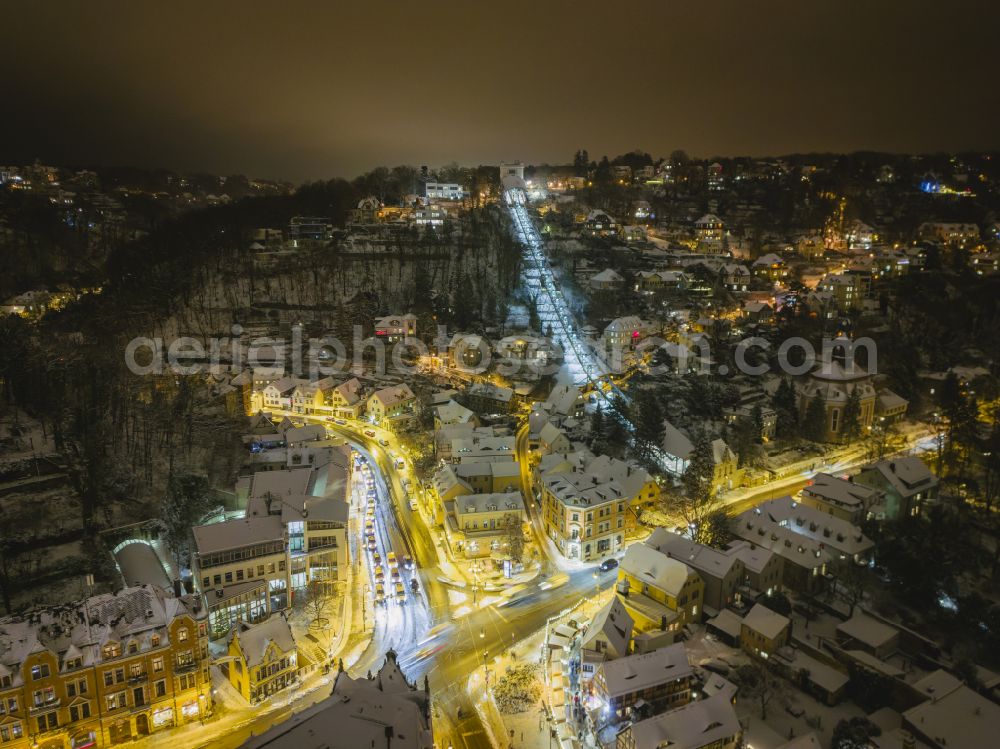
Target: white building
x=444, y=191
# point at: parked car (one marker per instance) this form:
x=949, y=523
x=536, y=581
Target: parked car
x=414, y=585
x=400, y=592
x=383, y=442
x=391, y=559
x=369, y=433
x=608, y=564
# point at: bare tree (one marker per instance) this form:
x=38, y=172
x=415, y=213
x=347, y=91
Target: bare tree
x=317, y=601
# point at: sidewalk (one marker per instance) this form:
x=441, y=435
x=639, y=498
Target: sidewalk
x=531, y=728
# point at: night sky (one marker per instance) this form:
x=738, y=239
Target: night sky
x=301, y=90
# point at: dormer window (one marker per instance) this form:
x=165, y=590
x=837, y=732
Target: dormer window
x=133, y=647
x=111, y=650
x=154, y=641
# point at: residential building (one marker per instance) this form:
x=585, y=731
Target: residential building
x=953, y=234
x=804, y=561
x=721, y=571
x=709, y=228
x=771, y=267
x=906, y=484
x=552, y=439
x=841, y=498
x=608, y=637
x=443, y=191
x=487, y=398
x=607, y=280
x=952, y=715
x=661, y=594
x=763, y=631
x=587, y=506
x=391, y=408
x=710, y=723
x=484, y=444
x=478, y=525
x=489, y=476
x=383, y=710
x=621, y=337
x=599, y=224
x=110, y=669
x=843, y=540
x=396, y=328
x=431, y=216
x=278, y=394
x=647, y=683
x=346, y=400
x=890, y=407
x=677, y=450
x=304, y=230
x=264, y=659
x=868, y=634
x=453, y=412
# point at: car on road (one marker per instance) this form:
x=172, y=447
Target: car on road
x=376, y=558
x=369, y=433
x=399, y=464
x=556, y=581
x=340, y=421
x=608, y=564
x=379, y=574
x=395, y=575
x=400, y=592
x=371, y=545
x=391, y=559
x=383, y=442
x=414, y=585
x=408, y=562
x=379, y=593
x=428, y=651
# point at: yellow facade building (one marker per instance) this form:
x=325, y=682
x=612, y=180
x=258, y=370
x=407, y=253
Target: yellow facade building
x=108, y=670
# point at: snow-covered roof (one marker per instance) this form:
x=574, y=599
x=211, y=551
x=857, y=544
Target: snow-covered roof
x=704, y=559
x=953, y=715
x=608, y=275
x=472, y=504
x=255, y=639
x=907, y=475
x=763, y=620
x=634, y=673
x=675, y=442
x=358, y=713
x=392, y=396
x=655, y=568
x=232, y=534
x=453, y=413
x=841, y=492
x=697, y=724
x=819, y=526
x=867, y=630
x=614, y=624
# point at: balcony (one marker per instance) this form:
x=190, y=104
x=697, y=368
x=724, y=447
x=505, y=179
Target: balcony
x=40, y=708
x=138, y=678
x=183, y=668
